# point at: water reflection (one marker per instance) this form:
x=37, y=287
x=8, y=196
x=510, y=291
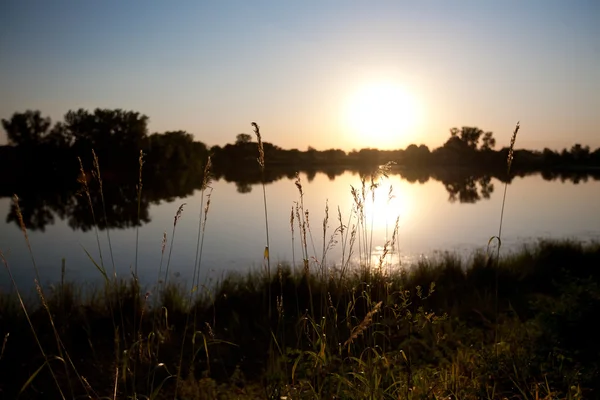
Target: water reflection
x=42, y=204
x=470, y=189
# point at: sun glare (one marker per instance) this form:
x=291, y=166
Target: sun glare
x=381, y=210
x=382, y=115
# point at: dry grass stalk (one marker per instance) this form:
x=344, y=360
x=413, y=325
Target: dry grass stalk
x=366, y=322
x=139, y=202
x=206, y=208
x=209, y=329
x=280, y=306
x=86, y=189
x=298, y=184
x=37, y=340
x=175, y=219
x=261, y=150
x=164, y=243
x=20, y=217
x=206, y=178
x=37, y=280
x=96, y=171
x=4, y=344
x=116, y=383
x=59, y=343
x=141, y=163
x=178, y=214
x=512, y=147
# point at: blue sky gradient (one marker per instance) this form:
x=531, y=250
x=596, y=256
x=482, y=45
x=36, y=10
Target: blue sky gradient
x=211, y=68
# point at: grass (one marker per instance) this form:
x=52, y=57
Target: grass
x=503, y=326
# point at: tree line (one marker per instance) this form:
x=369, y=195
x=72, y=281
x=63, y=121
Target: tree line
x=117, y=136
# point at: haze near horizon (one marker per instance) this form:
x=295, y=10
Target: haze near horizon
x=327, y=75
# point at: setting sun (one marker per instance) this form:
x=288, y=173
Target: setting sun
x=381, y=115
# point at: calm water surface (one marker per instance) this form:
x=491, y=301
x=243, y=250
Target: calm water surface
x=429, y=221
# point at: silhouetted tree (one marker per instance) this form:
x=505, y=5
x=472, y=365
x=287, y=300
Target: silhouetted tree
x=26, y=129
x=550, y=157
x=243, y=138
x=423, y=151
x=456, y=144
x=487, y=141
x=104, y=129
x=59, y=137
x=416, y=154
x=175, y=150
x=470, y=135
x=580, y=153
x=565, y=156
x=595, y=156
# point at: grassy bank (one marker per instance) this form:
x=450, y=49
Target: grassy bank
x=434, y=330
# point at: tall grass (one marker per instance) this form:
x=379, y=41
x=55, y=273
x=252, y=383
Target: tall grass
x=196, y=273
x=359, y=327
x=261, y=163
x=509, y=161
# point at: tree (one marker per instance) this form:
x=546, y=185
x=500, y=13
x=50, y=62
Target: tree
x=424, y=151
x=59, y=137
x=595, y=156
x=550, y=157
x=243, y=138
x=175, y=150
x=470, y=136
x=26, y=129
x=580, y=153
x=105, y=129
x=488, y=142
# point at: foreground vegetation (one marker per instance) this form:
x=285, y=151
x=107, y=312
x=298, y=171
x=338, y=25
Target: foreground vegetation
x=435, y=330
x=518, y=326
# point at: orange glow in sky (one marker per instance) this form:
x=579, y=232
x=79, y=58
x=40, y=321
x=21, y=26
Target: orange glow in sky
x=324, y=74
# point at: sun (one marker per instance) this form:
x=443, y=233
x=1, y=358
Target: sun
x=381, y=115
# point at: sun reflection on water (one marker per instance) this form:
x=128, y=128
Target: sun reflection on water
x=384, y=211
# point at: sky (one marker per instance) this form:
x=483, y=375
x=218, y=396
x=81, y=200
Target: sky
x=326, y=74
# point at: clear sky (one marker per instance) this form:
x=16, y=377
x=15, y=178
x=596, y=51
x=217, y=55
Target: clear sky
x=325, y=73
